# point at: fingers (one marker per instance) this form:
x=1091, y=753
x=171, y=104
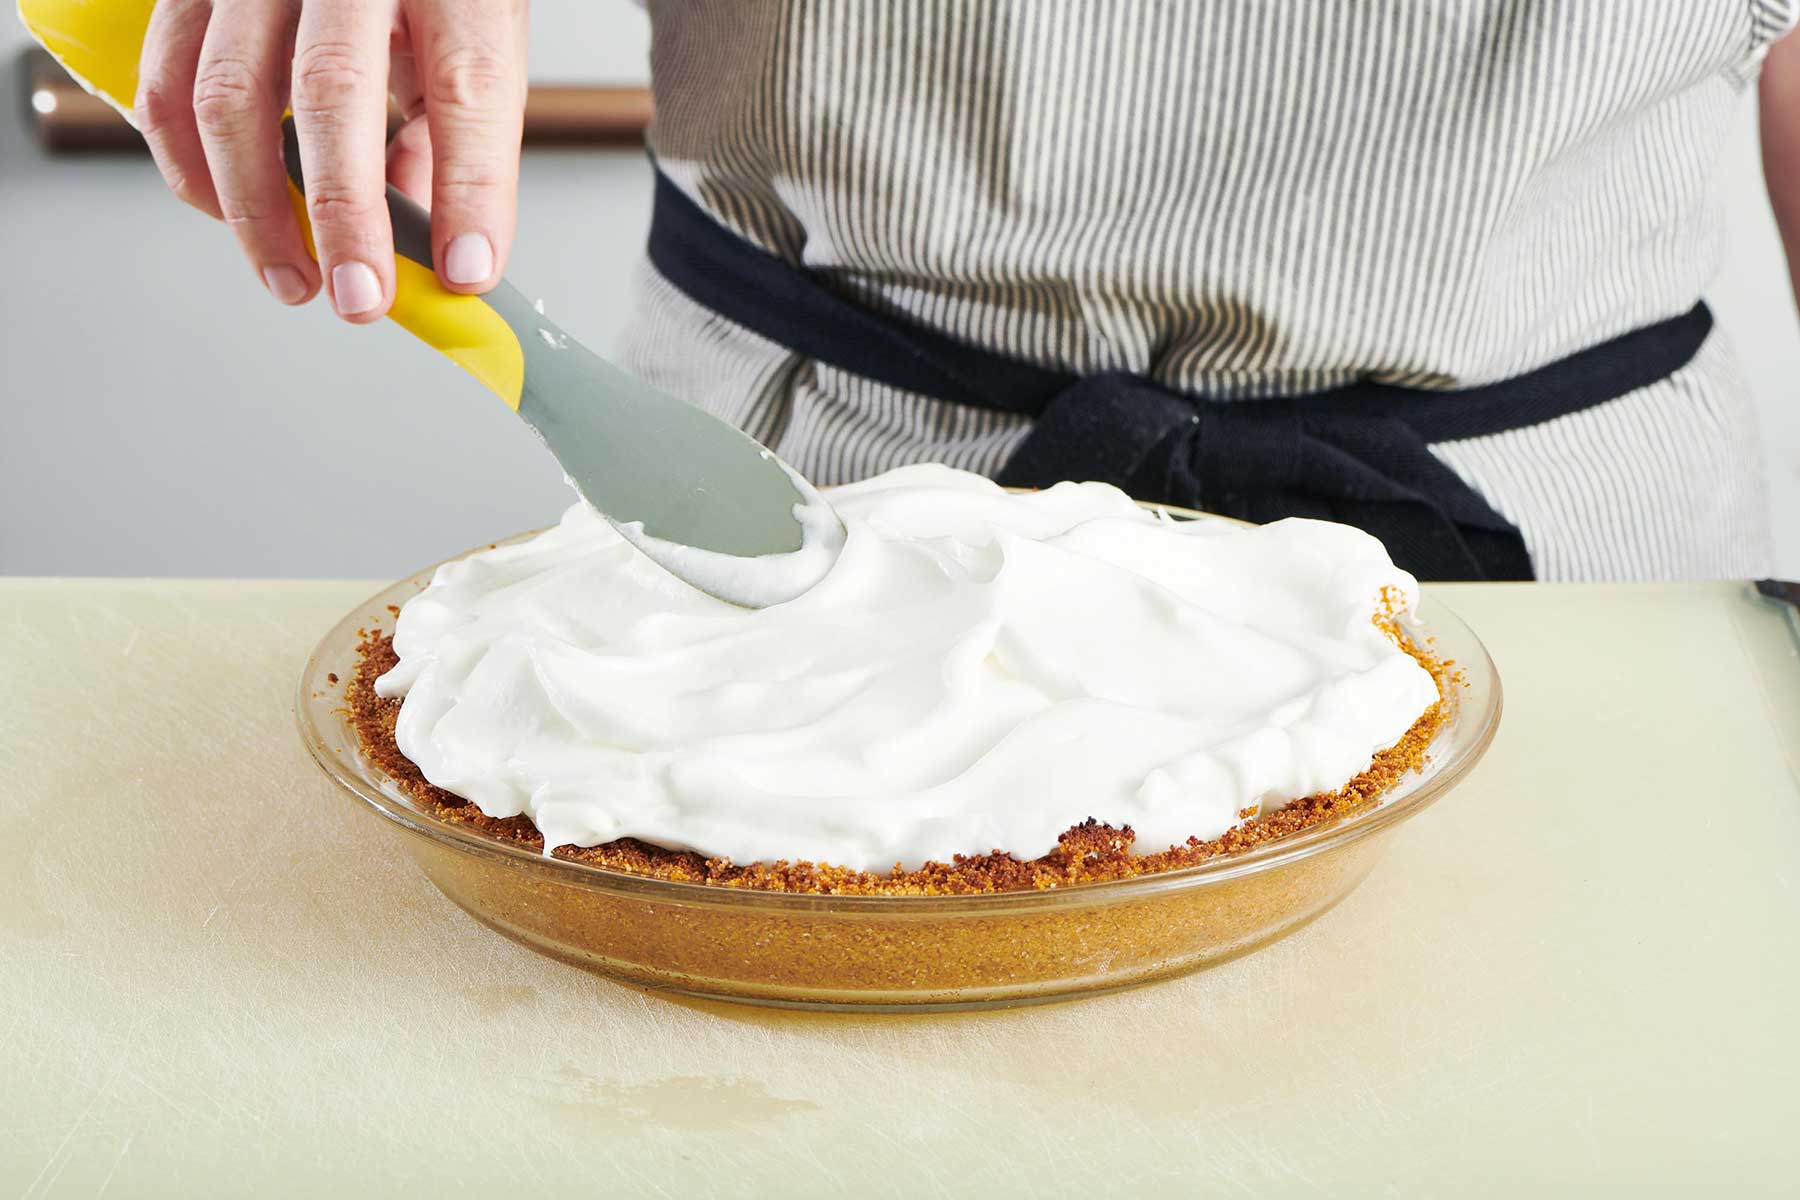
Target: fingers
x=470, y=62
x=339, y=92
x=164, y=106
x=213, y=76
x=409, y=160
x=237, y=101
x=409, y=150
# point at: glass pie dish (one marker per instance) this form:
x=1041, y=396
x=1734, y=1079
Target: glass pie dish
x=877, y=952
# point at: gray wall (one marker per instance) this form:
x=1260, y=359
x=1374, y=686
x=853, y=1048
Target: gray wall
x=164, y=417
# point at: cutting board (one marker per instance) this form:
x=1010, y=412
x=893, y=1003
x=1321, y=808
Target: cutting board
x=216, y=975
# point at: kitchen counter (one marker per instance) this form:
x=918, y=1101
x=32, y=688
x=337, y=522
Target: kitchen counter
x=218, y=975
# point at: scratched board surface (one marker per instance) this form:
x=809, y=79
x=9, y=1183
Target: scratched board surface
x=216, y=975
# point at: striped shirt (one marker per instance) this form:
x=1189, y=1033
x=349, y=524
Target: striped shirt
x=1240, y=199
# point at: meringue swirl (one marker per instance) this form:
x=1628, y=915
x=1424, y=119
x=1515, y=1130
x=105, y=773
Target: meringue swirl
x=978, y=671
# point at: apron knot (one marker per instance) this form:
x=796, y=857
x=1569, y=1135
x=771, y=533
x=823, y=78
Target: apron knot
x=1262, y=460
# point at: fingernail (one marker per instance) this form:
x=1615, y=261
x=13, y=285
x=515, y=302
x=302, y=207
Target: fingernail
x=468, y=259
x=285, y=284
x=354, y=288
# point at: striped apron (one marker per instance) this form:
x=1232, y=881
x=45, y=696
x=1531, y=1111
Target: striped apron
x=1240, y=201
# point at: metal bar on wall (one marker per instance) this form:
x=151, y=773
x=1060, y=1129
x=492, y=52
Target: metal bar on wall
x=68, y=119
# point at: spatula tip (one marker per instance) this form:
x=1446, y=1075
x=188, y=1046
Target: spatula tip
x=758, y=581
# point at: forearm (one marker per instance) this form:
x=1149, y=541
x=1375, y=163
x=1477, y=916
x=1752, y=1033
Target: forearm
x=1780, y=103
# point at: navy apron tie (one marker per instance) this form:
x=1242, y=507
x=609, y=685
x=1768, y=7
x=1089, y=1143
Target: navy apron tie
x=1359, y=454
x=1263, y=460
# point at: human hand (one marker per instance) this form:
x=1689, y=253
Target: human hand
x=215, y=76
x=1779, y=108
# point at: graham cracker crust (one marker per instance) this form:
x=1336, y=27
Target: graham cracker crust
x=1091, y=852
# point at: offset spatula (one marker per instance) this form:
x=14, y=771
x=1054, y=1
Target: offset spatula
x=676, y=479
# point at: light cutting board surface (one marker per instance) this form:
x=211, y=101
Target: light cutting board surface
x=1583, y=967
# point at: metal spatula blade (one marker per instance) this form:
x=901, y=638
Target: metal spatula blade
x=636, y=453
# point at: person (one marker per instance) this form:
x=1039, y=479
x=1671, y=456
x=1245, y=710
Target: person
x=1435, y=271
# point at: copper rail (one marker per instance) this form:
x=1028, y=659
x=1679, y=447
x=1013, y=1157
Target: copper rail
x=68, y=119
